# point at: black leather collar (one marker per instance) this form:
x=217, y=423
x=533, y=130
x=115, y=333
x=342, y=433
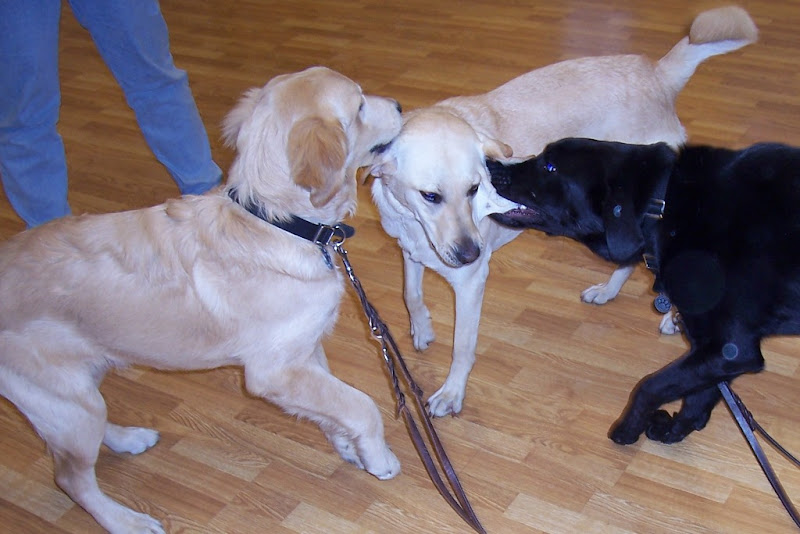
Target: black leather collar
x=654, y=213
x=321, y=235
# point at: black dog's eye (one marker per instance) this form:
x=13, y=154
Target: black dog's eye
x=433, y=198
x=472, y=190
x=549, y=167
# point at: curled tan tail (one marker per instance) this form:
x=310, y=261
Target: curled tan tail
x=713, y=32
x=723, y=24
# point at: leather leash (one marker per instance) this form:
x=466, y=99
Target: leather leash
x=457, y=499
x=749, y=426
x=334, y=236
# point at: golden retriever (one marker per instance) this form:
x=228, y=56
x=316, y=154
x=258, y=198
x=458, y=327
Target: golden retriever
x=430, y=183
x=196, y=283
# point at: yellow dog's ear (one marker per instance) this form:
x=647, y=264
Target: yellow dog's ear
x=362, y=175
x=494, y=149
x=317, y=154
x=385, y=164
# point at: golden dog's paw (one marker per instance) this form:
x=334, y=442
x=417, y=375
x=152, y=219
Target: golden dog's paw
x=127, y=521
x=384, y=465
x=130, y=439
x=447, y=401
x=346, y=449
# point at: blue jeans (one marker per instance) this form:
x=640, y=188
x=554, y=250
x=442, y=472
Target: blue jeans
x=132, y=38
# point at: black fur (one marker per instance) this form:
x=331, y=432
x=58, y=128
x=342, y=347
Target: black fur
x=728, y=250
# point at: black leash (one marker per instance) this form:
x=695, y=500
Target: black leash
x=457, y=499
x=749, y=426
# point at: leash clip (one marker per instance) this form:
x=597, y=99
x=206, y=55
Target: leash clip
x=333, y=236
x=330, y=235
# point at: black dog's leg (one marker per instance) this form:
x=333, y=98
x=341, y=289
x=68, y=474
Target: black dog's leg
x=692, y=375
x=644, y=401
x=693, y=415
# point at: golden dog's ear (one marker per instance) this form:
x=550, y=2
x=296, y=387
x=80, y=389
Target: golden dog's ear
x=317, y=154
x=494, y=149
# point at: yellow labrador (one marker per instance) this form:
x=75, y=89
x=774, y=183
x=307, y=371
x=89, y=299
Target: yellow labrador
x=196, y=283
x=432, y=189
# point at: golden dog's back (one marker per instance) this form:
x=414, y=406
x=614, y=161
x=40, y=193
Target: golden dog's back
x=163, y=269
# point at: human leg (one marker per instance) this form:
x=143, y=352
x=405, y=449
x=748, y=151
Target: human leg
x=133, y=39
x=33, y=165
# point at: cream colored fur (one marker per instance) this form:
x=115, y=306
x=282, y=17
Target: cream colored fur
x=441, y=150
x=197, y=283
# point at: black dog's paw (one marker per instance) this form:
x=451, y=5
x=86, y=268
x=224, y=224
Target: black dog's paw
x=620, y=434
x=667, y=428
x=661, y=424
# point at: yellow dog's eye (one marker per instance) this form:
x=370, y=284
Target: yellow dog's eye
x=433, y=198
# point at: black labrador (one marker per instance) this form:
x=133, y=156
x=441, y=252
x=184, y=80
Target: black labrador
x=721, y=230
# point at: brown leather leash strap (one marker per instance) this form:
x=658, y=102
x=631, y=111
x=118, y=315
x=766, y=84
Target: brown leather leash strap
x=749, y=426
x=457, y=499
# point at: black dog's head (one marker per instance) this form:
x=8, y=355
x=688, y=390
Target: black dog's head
x=595, y=192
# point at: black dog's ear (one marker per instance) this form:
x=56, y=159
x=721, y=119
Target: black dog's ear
x=623, y=233
x=631, y=180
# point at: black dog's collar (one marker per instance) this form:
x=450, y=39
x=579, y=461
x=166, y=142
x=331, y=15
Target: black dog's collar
x=655, y=208
x=653, y=213
x=321, y=235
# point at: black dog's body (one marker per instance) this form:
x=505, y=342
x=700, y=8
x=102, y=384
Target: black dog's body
x=726, y=252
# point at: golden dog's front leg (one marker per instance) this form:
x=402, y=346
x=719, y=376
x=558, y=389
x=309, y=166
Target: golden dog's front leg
x=347, y=416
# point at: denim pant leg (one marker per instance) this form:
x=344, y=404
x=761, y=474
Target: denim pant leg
x=132, y=38
x=33, y=166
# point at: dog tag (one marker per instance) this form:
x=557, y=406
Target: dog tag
x=662, y=303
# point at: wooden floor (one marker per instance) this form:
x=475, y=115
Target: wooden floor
x=552, y=373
